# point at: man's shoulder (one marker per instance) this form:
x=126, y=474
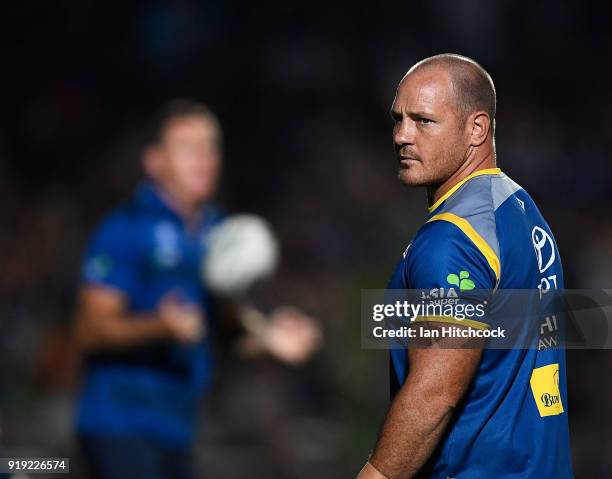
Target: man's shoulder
x=482, y=195
x=125, y=222
x=438, y=242
x=434, y=237
x=440, y=249
x=475, y=208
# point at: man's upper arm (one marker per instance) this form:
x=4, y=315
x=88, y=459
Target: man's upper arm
x=446, y=265
x=109, y=276
x=99, y=303
x=442, y=374
x=443, y=259
x=112, y=256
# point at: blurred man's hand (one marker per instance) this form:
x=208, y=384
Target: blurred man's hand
x=184, y=322
x=292, y=336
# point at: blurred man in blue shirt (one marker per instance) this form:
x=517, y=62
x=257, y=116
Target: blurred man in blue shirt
x=144, y=316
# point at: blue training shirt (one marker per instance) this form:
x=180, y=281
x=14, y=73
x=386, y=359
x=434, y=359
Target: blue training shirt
x=487, y=233
x=144, y=250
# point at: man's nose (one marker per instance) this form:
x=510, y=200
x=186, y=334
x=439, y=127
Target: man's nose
x=403, y=132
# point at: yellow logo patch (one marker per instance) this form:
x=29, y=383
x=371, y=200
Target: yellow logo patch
x=545, y=388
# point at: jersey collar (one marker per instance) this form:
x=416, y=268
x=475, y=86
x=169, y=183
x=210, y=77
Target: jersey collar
x=148, y=194
x=449, y=193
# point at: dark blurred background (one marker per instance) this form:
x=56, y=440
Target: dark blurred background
x=303, y=92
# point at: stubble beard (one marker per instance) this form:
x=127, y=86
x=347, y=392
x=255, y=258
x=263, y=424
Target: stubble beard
x=433, y=172
x=428, y=173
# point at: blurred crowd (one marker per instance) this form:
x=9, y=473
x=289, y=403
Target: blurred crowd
x=303, y=93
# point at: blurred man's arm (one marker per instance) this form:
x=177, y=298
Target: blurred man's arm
x=102, y=321
x=421, y=411
x=287, y=334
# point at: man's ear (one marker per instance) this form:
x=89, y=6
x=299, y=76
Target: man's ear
x=151, y=162
x=481, y=125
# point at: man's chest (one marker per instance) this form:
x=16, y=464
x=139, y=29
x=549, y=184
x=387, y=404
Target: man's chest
x=173, y=254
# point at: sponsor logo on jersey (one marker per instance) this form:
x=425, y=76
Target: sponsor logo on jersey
x=544, y=248
x=167, y=246
x=462, y=280
x=439, y=293
x=545, y=388
x=98, y=267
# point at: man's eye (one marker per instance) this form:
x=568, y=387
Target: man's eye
x=424, y=121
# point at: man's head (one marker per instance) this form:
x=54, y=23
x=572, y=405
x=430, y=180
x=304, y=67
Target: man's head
x=184, y=157
x=444, y=114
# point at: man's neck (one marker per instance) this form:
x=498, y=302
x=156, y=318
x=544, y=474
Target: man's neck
x=470, y=166
x=189, y=212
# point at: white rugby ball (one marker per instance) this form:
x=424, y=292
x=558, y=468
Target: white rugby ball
x=239, y=251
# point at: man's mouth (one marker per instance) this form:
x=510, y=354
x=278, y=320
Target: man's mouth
x=406, y=160
x=405, y=155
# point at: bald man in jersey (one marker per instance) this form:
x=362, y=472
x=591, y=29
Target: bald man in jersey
x=470, y=412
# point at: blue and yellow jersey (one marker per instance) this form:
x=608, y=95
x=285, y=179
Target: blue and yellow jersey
x=486, y=233
x=143, y=250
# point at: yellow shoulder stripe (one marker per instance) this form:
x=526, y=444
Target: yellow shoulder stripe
x=488, y=171
x=472, y=323
x=471, y=233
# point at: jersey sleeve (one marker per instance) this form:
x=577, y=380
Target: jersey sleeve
x=112, y=256
x=445, y=263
